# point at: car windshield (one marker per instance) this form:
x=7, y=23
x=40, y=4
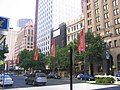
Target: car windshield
x=40, y=74
x=5, y=76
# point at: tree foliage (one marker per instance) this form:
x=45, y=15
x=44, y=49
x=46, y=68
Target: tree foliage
x=27, y=62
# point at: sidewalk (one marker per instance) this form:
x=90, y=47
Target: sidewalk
x=78, y=86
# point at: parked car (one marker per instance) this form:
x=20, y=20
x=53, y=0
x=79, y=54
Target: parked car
x=36, y=79
x=85, y=77
x=117, y=75
x=6, y=80
x=53, y=75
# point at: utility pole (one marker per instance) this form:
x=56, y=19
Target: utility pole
x=71, y=68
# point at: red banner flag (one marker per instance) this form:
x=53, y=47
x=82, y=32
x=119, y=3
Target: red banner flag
x=81, y=41
x=52, y=49
x=18, y=59
x=36, y=55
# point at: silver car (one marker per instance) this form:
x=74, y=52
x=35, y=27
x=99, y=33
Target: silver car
x=36, y=79
x=6, y=80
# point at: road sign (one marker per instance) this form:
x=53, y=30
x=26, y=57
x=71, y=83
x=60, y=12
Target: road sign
x=4, y=23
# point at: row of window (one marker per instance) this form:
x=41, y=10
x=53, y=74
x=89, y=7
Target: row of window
x=29, y=38
x=30, y=32
x=107, y=24
x=114, y=43
x=75, y=27
x=44, y=43
x=45, y=48
x=72, y=37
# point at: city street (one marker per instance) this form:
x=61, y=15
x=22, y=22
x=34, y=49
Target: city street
x=59, y=84
x=20, y=83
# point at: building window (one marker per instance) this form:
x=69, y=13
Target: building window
x=29, y=31
x=74, y=28
x=88, y=6
x=68, y=30
x=77, y=26
x=117, y=21
x=89, y=14
x=96, y=4
x=98, y=27
x=104, y=1
x=115, y=43
x=105, y=7
x=106, y=15
x=32, y=32
x=116, y=11
x=110, y=44
x=96, y=11
x=107, y=24
x=115, y=2
x=28, y=38
x=90, y=22
x=31, y=39
x=72, y=37
x=117, y=31
x=81, y=25
x=98, y=19
x=68, y=38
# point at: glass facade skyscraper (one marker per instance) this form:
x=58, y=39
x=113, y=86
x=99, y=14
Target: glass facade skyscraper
x=51, y=13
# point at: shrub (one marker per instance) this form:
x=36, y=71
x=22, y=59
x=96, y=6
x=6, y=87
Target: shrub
x=104, y=79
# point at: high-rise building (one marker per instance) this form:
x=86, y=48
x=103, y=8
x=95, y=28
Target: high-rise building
x=51, y=13
x=103, y=17
x=10, y=41
x=22, y=22
x=25, y=39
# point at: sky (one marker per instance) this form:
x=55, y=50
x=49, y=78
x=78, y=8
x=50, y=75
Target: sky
x=17, y=9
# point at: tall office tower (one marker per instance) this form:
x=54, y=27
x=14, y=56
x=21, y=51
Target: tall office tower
x=103, y=17
x=22, y=22
x=51, y=13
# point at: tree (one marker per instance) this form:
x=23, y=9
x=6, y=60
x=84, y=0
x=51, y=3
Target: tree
x=94, y=49
x=27, y=62
x=60, y=61
x=2, y=52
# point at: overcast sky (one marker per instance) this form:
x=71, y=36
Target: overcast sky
x=17, y=9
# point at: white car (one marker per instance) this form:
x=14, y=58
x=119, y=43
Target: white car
x=6, y=80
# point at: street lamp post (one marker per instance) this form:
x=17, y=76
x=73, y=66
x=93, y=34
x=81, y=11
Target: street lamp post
x=107, y=62
x=71, y=67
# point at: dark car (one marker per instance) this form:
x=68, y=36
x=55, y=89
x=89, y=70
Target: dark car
x=117, y=75
x=85, y=77
x=53, y=75
x=36, y=79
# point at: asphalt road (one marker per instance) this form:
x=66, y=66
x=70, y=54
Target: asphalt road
x=19, y=82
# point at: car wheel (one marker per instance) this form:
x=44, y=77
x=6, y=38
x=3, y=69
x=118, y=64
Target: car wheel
x=26, y=82
x=11, y=84
x=33, y=83
x=81, y=78
x=44, y=83
x=89, y=79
